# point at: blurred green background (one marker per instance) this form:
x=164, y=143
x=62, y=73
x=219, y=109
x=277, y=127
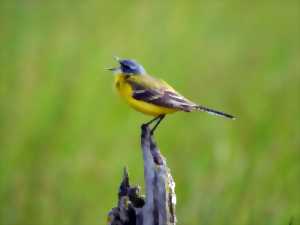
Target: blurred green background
x=65, y=135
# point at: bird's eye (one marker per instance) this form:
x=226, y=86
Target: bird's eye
x=128, y=67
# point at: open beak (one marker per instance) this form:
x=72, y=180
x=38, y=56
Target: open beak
x=118, y=59
x=112, y=69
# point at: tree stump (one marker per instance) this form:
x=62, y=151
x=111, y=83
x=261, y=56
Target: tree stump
x=158, y=206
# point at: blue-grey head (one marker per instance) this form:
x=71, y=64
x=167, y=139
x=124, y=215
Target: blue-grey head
x=129, y=67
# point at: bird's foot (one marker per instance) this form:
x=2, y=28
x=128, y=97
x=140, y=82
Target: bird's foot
x=158, y=119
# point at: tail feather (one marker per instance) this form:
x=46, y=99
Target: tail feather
x=214, y=112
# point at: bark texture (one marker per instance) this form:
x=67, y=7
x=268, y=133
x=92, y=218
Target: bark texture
x=158, y=206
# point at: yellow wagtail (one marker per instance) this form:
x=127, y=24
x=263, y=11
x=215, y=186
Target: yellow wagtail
x=152, y=96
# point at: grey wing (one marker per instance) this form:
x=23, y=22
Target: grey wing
x=161, y=97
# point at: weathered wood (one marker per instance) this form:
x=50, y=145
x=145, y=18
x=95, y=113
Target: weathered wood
x=158, y=207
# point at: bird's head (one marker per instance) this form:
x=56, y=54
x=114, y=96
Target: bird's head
x=128, y=67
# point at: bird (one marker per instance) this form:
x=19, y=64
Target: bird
x=152, y=96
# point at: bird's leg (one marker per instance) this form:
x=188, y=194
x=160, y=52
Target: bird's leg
x=160, y=118
x=151, y=121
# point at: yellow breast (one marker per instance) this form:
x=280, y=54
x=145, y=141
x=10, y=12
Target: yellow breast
x=125, y=91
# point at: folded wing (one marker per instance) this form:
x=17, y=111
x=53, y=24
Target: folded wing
x=157, y=92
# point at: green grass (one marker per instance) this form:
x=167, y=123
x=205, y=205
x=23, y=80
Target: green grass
x=65, y=136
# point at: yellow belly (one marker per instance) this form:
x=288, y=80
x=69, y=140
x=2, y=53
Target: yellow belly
x=125, y=91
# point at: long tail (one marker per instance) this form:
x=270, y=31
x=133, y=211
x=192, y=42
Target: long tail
x=214, y=112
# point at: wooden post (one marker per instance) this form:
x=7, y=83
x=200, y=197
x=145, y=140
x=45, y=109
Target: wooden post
x=158, y=207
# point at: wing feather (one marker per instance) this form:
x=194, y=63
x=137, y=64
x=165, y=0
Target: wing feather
x=157, y=92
